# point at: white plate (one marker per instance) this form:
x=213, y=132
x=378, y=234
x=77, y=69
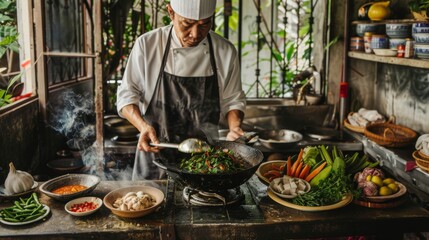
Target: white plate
x=385, y=52
x=95, y=200
x=6, y=195
x=27, y=222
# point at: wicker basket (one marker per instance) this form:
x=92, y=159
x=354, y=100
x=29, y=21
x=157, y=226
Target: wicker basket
x=390, y=135
x=351, y=127
x=360, y=129
x=422, y=161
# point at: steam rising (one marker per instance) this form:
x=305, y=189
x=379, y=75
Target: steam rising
x=74, y=118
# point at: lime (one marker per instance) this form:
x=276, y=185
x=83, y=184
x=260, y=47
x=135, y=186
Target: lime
x=388, y=181
x=377, y=180
x=385, y=191
x=394, y=187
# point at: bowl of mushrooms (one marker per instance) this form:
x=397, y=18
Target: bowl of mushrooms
x=134, y=202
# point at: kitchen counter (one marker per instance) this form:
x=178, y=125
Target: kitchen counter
x=255, y=218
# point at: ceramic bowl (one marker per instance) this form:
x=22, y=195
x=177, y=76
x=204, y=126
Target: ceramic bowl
x=94, y=200
x=385, y=52
x=368, y=27
x=267, y=166
x=419, y=28
x=379, y=41
x=421, y=51
x=394, y=42
x=87, y=180
x=111, y=197
x=295, y=180
x=398, y=30
x=421, y=37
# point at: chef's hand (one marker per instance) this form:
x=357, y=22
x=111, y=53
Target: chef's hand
x=147, y=135
x=234, y=133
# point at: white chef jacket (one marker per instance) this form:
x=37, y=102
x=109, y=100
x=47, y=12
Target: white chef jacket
x=143, y=66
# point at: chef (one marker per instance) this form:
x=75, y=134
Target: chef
x=180, y=79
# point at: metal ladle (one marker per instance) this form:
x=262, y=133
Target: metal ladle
x=190, y=145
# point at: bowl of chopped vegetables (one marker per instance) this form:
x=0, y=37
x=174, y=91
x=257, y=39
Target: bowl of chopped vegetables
x=83, y=206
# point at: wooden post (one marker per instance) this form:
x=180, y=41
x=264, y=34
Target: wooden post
x=98, y=86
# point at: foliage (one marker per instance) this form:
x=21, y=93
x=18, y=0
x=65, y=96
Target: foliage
x=120, y=31
x=8, y=31
x=418, y=5
x=8, y=42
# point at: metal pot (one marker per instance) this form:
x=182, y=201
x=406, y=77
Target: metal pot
x=279, y=139
x=321, y=133
x=169, y=160
x=66, y=165
x=120, y=126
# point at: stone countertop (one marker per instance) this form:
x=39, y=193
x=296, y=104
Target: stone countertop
x=176, y=221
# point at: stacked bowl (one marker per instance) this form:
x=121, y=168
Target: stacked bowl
x=397, y=32
x=420, y=32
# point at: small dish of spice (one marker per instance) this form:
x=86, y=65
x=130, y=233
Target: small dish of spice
x=83, y=206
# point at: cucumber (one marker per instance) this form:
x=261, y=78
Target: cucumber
x=339, y=165
x=321, y=176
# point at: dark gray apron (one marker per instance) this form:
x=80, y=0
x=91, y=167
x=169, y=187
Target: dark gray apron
x=179, y=109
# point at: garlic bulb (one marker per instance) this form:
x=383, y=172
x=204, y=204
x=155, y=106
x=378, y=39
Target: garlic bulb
x=18, y=181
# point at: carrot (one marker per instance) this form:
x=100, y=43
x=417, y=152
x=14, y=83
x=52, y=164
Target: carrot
x=298, y=169
x=315, y=172
x=300, y=155
x=304, y=171
x=289, y=166
x=294, y=166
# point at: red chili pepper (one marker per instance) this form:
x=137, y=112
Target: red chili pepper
x=273, y=173
x=275, y=167
x=83, y=207
x=208, y=163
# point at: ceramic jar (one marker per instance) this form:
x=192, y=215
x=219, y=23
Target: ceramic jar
x=379, y=42
x=367, y=41
x=357, y=44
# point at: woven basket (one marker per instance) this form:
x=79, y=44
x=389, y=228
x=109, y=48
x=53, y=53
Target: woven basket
x=422, y=161
x=390, y=135
x=360, y=129
x=351, y=127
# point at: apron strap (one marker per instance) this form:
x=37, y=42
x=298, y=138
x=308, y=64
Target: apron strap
x=212, y=58
x=166, y=51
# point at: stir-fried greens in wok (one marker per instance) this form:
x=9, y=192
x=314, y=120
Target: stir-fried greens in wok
x=215, y=160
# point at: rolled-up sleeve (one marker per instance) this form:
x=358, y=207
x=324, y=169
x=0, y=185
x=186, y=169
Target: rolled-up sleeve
x=131, y=89
x=233, y=97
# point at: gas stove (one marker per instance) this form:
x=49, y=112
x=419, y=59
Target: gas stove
x=239, y=205
x=212, y=199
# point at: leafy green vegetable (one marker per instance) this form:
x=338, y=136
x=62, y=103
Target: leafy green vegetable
x=329, y=191
x=213, y=161
x=311, y=155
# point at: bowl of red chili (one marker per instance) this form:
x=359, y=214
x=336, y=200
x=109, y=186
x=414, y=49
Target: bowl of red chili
x=83, y=206
x=70, y=186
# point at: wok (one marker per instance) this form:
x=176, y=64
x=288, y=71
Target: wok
x=169, y=160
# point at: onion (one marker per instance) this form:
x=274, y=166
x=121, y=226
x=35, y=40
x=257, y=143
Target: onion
x=369, y=188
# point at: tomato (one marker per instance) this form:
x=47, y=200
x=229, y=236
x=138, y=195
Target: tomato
x=83, y=207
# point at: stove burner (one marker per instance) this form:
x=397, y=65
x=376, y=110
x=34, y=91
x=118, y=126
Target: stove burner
x=201, y=198
x=125, y=141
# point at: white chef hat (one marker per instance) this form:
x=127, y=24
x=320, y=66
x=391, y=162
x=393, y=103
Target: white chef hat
x=194, y=9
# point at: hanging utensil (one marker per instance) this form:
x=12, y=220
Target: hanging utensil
x=190, y=145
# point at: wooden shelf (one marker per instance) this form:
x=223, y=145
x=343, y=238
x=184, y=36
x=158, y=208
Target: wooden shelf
x=419, y=63
x=389, y=21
